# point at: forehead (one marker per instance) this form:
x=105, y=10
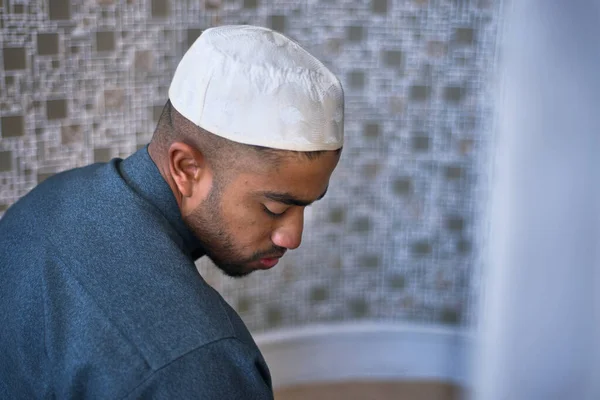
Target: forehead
x=293, y=174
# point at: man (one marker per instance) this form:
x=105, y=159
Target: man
x=100, y=294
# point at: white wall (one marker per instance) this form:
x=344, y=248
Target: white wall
x=366, y=351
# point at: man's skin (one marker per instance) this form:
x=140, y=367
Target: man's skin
x=257, y=214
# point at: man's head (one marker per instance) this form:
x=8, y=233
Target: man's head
x=249, y=138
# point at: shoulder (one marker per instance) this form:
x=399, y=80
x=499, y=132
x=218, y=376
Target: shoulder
x=223, y=369
x=64, y=198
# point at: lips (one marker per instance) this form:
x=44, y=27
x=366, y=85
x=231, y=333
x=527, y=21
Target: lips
x=269, y=262
x=270, y=259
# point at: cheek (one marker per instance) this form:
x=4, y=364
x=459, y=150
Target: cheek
x=247, y=223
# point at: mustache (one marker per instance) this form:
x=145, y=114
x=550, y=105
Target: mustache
x=275, y=252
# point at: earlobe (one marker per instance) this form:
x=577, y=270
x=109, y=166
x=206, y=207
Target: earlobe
x=186, y=165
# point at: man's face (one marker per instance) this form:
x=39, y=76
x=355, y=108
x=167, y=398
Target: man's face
x=249, y=222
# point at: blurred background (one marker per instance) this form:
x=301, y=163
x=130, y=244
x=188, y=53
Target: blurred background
x=395, y=251
x=85, y=81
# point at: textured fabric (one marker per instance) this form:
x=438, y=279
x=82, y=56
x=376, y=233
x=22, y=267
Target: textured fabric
x=259, y=88
x=100, y=297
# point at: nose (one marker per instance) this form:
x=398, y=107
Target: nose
x=289, y=233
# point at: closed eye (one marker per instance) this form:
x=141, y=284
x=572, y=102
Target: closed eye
x=271, y=213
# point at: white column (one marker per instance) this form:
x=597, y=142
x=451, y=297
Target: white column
x=539, y=336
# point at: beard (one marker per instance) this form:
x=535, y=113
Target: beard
x=208, y=225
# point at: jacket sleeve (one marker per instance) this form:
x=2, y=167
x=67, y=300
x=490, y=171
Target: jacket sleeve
x=221, y=370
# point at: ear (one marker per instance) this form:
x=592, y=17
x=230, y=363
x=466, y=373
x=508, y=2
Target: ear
x=189, y=170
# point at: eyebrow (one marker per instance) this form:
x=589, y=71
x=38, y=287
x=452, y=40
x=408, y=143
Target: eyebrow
x=286, y=198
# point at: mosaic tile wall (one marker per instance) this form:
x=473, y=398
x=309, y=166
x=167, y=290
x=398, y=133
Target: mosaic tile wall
x=84, y=81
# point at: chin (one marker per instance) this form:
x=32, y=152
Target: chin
x=237, y=273
x=234, y=270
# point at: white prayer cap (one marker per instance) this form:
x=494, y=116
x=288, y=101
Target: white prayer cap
x=255, y=86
